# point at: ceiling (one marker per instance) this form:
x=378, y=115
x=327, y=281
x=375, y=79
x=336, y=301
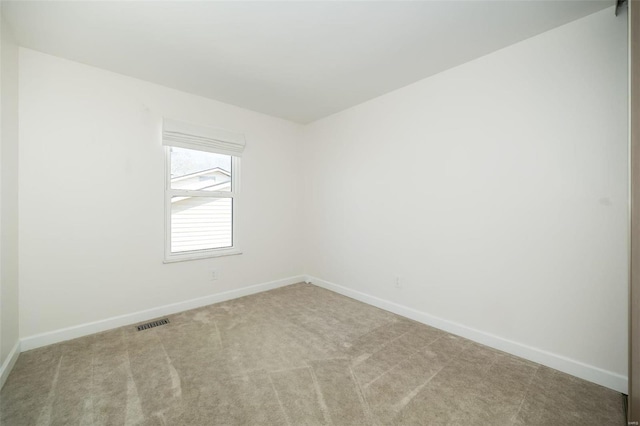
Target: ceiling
x=297, y=60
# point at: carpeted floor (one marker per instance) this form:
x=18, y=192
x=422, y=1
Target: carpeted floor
x=298, y=355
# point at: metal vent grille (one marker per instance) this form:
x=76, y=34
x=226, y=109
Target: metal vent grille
x=153, y=324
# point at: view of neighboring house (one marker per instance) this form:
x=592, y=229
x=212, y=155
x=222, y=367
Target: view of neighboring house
x=200, y=222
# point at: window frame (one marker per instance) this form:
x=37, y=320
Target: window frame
x=234, y=249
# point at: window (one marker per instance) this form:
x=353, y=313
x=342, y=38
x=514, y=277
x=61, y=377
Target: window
x=202, y=185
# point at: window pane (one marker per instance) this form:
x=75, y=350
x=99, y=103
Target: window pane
x=200, y=223
x=199, y=170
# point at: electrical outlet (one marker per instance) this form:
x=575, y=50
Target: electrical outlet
x=213, y=275
x=398, y=282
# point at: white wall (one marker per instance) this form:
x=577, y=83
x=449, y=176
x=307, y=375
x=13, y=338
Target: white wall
x=92, y=196
x=8, y=196
x=497, y=190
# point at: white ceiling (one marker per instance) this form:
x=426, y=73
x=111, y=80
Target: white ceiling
x=296, y=60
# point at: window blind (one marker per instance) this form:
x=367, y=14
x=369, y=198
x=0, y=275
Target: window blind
x=191, y=136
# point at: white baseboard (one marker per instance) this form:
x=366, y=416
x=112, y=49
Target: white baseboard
x=44, y=339
x=8, y=363
x=579, y=369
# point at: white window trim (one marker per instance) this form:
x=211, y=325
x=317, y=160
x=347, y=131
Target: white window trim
x=170, y=257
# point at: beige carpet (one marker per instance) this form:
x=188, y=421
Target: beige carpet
x=299, y=355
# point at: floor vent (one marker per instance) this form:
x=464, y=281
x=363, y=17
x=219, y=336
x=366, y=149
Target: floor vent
x=153, y=324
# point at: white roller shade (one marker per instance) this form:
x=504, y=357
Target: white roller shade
x=190, y=136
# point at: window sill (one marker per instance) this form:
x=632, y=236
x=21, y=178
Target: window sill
x=207, y=255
